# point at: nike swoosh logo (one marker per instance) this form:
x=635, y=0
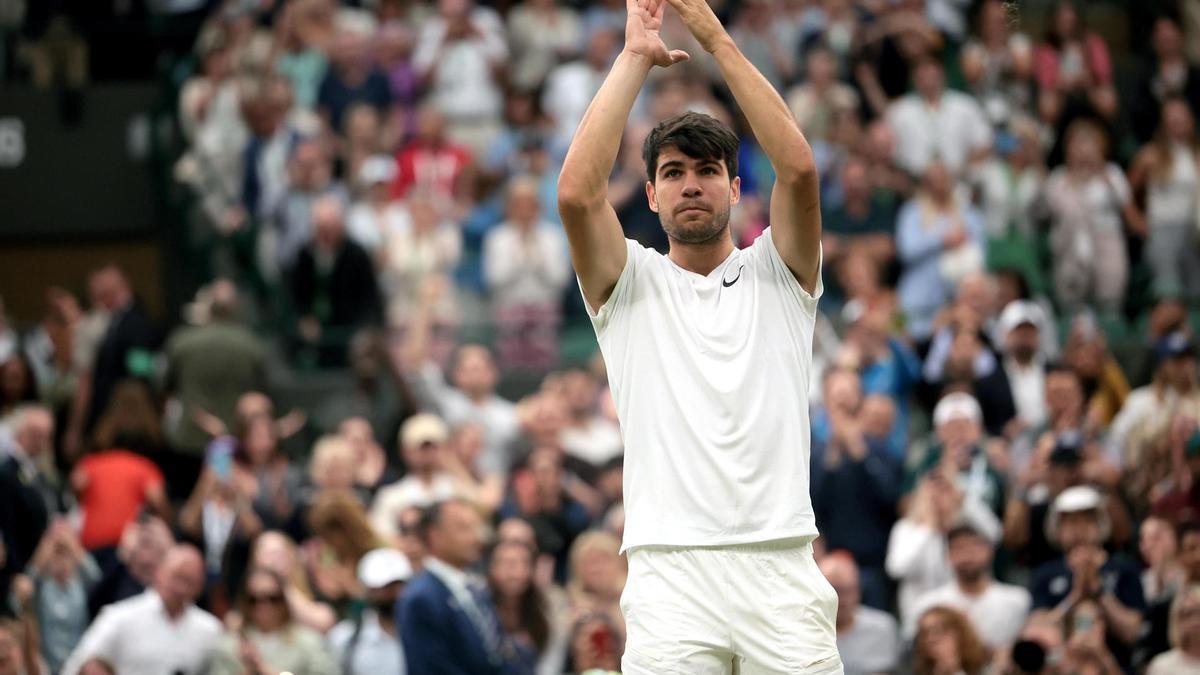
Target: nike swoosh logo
x=727, y=284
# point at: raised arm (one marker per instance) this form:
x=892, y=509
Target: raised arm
x=597, y=242
x=795, y=200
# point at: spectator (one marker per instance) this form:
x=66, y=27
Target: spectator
x=1184, y=656
x=209, y=367
x=27, y=499
x=303, y=34
x=351, y=76
x=377, y=393
x=138, y=557
x=939, y=240
x=370, y=642
x=916, y=556
x=542, y=33
x=263, y=473
x=275, y=551
x=1073, y=67
x=1018, y=333
x=997, y=65
x=868, y=638
x=946, y=643
x=433, y=166
x=123, y=351
x=342, y=535
x=269, y=640
x=458, y=54
x=1104, y=384
x=569, y=88
x=526, y=272
x=160, y=631
x=1087, y=198
x=1080, y=527
x=17, y=657
x=278, y=128
x=851, y=462
x=934, y=124
x=426, y=252
x=447, y=621
x=330, y=471
x=422, y=443
x=1010, y=188
x=114, y=484
x=589, y=437
x=821, y=96
x=1167, y=75
x=220, y=515
x=531, y=617
x=997, y=611
x=333, y=286
x=375, y=217
x=17, y=383
x=1166, y=172
x=1158, y=545
x=1085, y=649
x=62, y=574
x=960, y=455
x=862, y=224
x=597, y=577
x=1143, y=425
x=372, y=471
x=473, y=483
x=596, y=645
x=310, y=177
x=540, y=495
x=363, y=139
x=409, y=542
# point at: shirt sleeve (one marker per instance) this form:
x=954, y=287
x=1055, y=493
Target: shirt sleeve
x=784, y=273
x=97, y=641
x=622, y=291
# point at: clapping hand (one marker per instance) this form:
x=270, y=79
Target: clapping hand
x=642, y=36
x=702, y=22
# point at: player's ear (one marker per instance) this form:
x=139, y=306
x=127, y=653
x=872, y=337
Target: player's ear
x=735, y=190
x=651, y=196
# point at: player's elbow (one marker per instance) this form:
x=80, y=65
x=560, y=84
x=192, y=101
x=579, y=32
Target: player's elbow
x=574, y=197
x=796, y=166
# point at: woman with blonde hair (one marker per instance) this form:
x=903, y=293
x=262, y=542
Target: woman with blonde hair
x=598, y=573
x=342, y=535
x=1184, y=632
x=947, y=644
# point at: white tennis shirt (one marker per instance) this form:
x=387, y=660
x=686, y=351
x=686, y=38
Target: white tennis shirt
x=710, y=376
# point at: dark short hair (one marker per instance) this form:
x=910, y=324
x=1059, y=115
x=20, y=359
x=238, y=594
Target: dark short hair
x=431, y=516
x=964, y=530
x=1187, y=528
x=696, y=135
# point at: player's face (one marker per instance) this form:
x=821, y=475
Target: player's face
x=692, y=197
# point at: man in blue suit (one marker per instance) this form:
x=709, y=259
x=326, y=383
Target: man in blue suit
x=447, y=621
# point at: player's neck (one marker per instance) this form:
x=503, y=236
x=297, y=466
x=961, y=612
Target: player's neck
x=701, y=258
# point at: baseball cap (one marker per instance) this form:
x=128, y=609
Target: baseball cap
x=1173, y=345
x=423, y=428
x=383, y=566
x=1074, y=500
x=955, y=406
x=377, y=169
x=1019, y=313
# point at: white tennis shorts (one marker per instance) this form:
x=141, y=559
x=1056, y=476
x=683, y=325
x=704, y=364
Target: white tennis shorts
x=746, y=609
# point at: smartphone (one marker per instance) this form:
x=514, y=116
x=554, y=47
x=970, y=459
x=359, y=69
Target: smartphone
x=601, y=641
x=219, y=457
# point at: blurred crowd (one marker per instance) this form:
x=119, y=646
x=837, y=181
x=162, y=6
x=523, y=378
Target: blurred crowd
x=1006, y=451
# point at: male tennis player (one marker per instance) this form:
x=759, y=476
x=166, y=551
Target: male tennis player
x=709, y=350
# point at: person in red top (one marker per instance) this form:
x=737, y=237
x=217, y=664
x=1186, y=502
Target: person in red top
x=115, y=483
x=1073, y=64
x=431, y=164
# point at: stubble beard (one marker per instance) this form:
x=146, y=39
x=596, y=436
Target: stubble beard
x=697, y=232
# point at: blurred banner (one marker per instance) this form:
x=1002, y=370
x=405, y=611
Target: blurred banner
x=76, y=166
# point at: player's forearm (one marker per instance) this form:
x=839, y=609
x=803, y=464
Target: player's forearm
x=769, y=117
x=593, y=151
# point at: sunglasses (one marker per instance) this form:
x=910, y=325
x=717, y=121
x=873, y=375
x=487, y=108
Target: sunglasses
x=273, y=599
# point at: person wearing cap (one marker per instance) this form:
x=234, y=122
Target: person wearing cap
x=1079, y=525
x=369, y=644
x=375, y=217
x=423, y=440
x=958, y=452
x=1018, y=334
x=1061, y=461
x=1143, y=425
x=996, y=610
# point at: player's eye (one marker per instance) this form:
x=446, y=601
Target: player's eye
x=708, y=171
x=672, y=173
